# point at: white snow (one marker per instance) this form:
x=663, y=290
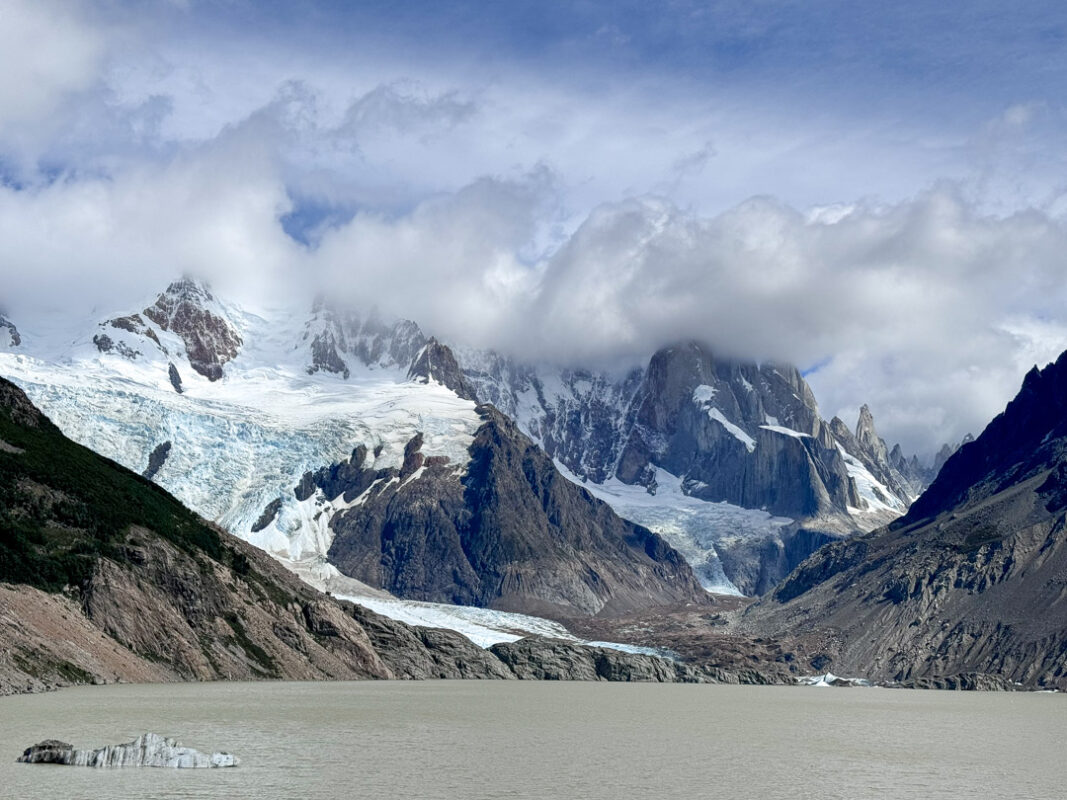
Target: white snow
x=703, y=394
x=786, y=431
x=246, y=440
x=733, y=430
x=692, y=526
x=866, y=485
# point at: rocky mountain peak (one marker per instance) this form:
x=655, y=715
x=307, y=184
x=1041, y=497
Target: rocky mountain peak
x=342, y=339
x=9, y=334
x=436, y=362
x=188, y=309
x=1028, y=437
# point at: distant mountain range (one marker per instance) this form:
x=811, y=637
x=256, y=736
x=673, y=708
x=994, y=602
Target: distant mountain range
x=366, y=455
x=320, y=435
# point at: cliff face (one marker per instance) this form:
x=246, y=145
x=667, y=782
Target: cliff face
x=971, y=582
x=715, y=429
x=510, y=534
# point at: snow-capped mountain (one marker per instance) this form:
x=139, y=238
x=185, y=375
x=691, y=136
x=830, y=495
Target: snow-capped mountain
x=323, y=437
x=343, y=436
x=772, y=479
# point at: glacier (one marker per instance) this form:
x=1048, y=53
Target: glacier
x=246, y=440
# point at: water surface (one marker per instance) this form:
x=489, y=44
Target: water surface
x=438, y=740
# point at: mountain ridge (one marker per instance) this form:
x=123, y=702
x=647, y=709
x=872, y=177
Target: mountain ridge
x=970, y=582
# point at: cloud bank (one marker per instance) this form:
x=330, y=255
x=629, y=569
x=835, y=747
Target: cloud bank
x=583, y=217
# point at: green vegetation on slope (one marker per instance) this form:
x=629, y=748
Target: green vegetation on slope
x=62, y=506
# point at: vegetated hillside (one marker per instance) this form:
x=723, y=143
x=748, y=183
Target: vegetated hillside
x=968, y=589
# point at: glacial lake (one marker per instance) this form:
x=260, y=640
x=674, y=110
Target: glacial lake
x=431, y=740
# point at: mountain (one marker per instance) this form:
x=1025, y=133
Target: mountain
x=341, y=439
x=510, y=533
x=969, y=588
x=106, y=577
x=744, y=438
x=729, y=462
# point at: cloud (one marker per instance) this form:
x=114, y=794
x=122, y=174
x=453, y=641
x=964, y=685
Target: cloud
x=47, y=54
x=572, y=197
x=928, y=310
x=81, y=243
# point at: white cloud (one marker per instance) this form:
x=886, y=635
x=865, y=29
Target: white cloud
x=47, y=54
x=522, y=211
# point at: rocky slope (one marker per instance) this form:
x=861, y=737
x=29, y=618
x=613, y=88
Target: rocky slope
x=106, y=577
x=508, y=533
x=968, y=589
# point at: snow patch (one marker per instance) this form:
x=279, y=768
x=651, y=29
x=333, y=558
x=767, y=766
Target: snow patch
x=691, y=526
x=703, y=394
x=786, y=431
x=735, y=431
x=877, y=495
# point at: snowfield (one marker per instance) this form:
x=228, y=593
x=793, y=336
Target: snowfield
x=691, y=526
x=246, y=440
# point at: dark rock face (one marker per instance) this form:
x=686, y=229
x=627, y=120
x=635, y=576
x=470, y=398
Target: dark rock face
x=967, y=589
x=513, y=534
x=435, y=362
x=17, y=405
x=156, y=459
x=14, y=339
x=268, y=515
x=105, y=344
x=210, y=340
x=555, y=660
x=175, y=378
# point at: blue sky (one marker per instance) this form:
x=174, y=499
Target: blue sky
x=878, y=191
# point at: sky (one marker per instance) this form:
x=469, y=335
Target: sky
x=877, y=195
